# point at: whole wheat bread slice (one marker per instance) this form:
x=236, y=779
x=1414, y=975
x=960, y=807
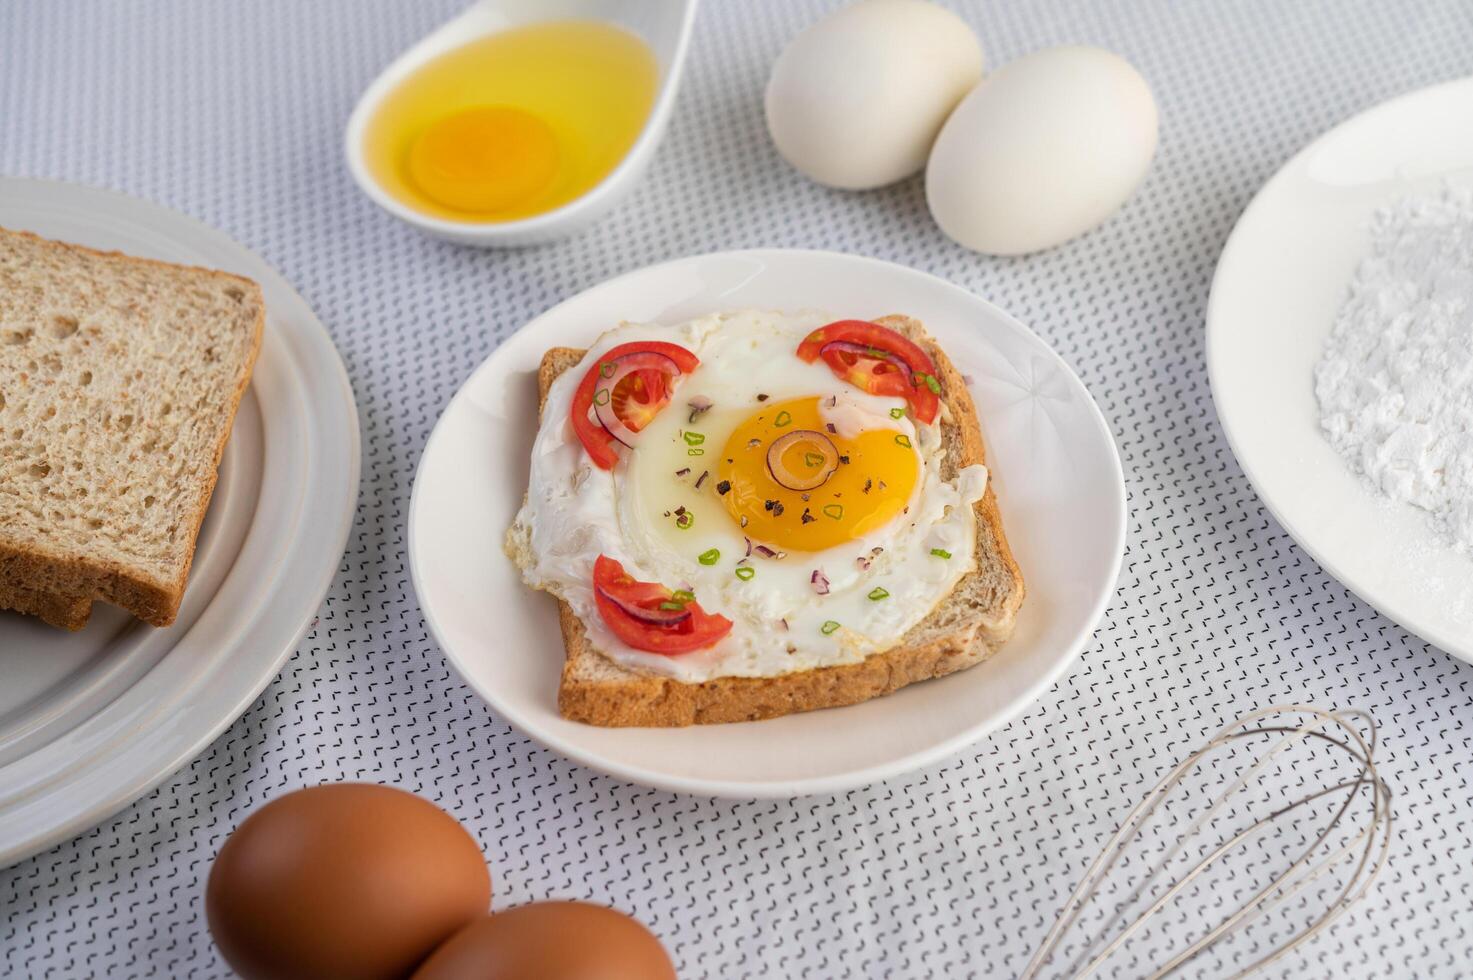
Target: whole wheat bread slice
x=119, y=382
x=965, y=629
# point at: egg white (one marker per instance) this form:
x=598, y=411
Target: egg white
x=575, y=511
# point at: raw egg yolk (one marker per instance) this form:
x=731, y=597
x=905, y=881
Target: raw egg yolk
x=488, y=158
x=832, y=489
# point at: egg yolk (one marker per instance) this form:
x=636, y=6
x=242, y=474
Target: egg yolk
x=487, y=158
x=869, y=487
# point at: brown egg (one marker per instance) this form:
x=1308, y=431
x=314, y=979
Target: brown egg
x=346, y=880
x=551, y=941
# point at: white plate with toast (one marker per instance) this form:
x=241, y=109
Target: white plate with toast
x=1052, y=461
x=91, y=720
x=1283, y=276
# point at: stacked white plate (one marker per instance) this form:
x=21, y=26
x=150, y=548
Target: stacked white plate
x=90, y=721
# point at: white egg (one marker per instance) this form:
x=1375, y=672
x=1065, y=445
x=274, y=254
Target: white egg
x=856, y=100
x=1045, y=149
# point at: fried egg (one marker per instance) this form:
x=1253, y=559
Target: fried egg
x=813, y=515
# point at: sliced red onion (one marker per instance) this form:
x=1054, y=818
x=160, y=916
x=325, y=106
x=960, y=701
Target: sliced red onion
x=653, y=617
x=698, y=406
x=603, y=392
x=819, y=581
x=862, y=350
x=766, y=552
x=862, y=563
x=824, y=451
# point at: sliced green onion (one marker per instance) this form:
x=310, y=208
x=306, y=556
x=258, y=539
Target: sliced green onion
x=694, y=438
x=877, y=593
x=709, y=557
x=828, y=627
x=672, y=605
x=930, y=382
x=684, y=521
x=783, y=418
x=695, y=452
x=745, y=572
x=607, y=369
x=813, y=460
x=897, y=413
x=601, y=397
x=903, y=440
x=835, y=511
x=683, y=595
x=940, y=552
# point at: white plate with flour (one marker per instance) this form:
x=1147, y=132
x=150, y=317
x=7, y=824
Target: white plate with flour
x=1284, y=278
x=90, y=721
x=1049, y=453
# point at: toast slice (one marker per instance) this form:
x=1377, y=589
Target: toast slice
x=119, y=382
x=963, y=630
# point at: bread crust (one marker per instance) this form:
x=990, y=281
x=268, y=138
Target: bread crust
x=637, y=698
x=64, y=612
x=175, y=591
x=60, y=590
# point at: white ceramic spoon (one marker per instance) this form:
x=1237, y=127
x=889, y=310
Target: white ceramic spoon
x=665, y=25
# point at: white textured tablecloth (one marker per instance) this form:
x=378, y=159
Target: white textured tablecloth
x=234, y=113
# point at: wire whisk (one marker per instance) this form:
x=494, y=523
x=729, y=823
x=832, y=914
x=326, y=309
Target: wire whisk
x=1286, y=743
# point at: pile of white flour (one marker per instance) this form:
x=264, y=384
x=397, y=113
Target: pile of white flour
x=1395, y=382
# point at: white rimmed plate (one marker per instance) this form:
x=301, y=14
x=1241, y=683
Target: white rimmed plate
x=1055, y=469
x=1283, y=275
x=90, y=721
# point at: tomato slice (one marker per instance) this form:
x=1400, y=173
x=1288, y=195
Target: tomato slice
x=638, y=396
x=878, y=375
x=654, y=395
x=878, y=360
x=648, y=616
